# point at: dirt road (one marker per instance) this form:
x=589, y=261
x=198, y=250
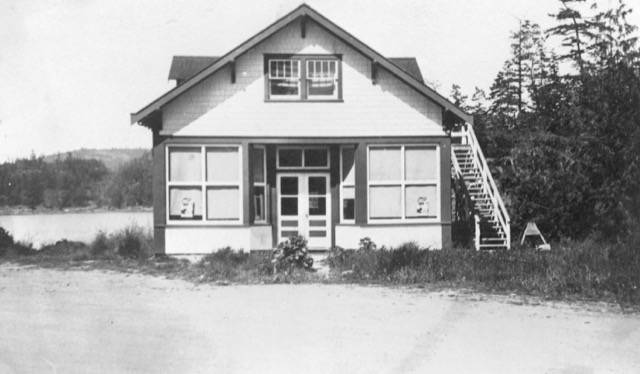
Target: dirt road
x=95, y=322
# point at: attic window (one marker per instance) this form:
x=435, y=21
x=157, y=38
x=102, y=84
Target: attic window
x=303, y=78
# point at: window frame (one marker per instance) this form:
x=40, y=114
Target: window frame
x=347, y=185
x=302, y=166
x=403, y=184
x=303, y=80
x=204, y=185
x=263, y=184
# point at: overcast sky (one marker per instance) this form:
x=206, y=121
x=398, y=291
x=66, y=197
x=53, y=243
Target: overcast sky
x=72, y=71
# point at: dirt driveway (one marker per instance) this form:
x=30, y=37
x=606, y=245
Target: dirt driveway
x=95, y=322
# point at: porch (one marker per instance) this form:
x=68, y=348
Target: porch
x=252, y=194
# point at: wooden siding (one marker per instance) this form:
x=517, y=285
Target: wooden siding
x=217, y=107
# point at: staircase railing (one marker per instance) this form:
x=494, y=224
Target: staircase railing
x=468, y=137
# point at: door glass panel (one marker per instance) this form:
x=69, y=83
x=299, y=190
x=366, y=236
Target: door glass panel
x=317, y=223
x=290, y=223
x=289, y=206
x=289, y=186
x=317, y=185
x=290, y=157
x=317, y=233
x=317, y=206
x=316, y=158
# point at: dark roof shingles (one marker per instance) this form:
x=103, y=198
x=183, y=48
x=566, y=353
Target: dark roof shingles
x=184, y=67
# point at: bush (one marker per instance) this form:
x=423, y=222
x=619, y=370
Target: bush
x=100, y=245
x=133, y=243
x=292, y=254
x=587, y=269
x=6, y=241
x=228, y=264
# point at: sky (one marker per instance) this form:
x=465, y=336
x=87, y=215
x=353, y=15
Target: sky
x=72, y=71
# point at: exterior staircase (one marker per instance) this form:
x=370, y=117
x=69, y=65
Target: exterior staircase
x=492, y=222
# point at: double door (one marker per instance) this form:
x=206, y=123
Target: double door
x=304, y=208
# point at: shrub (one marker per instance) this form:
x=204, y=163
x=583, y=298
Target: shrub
x=6, y=241
x=292, y=254
x=100, y=245
x=228, y=264
x=133, y=242
x=366, y=244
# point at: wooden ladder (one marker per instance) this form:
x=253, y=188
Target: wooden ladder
x=492, y=222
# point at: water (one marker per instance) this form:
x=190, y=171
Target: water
x=40, y=229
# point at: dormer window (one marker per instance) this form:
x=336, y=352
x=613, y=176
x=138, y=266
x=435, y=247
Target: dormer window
x=303, y=78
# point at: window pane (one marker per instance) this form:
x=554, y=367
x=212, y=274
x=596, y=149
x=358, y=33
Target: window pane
x=421, y=201
x=321, y=78
x=348, y=169
x=385, y=202
x=348, y=203
x=384, y=164
x=290, y=157
x=289, y=185
x=185, y=165
x=289, y=206
x=259, y=204
x=317, y=206
x=316, y=157
x=284, y=87
x=223, y=203
x=421, y=163
x=185, y=203
x=223, y=164
x=257, y=161
x=317, y=185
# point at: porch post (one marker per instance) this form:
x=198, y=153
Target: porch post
x=361, y=183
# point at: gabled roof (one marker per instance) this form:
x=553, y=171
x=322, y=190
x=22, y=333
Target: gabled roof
x=303, y=10
x=185, y=67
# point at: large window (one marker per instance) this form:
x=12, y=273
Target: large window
x=347, y=185
x=303, y=78
x=204, y=184
x=403, y=183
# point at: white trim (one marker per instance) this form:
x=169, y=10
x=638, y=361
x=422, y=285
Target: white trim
x=302, y=158
x=204, y=185
x=402, y=183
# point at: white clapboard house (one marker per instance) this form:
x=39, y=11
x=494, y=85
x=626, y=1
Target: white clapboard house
x=304, y=129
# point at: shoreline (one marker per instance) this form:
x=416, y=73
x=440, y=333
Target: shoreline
x=24, y=211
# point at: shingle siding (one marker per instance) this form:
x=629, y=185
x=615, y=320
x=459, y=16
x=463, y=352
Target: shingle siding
x=216, y=107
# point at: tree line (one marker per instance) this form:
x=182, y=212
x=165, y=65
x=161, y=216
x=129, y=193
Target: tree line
x=75, y=182
x=561, y=127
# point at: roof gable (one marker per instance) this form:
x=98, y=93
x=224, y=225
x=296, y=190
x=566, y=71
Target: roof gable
x=400, y=68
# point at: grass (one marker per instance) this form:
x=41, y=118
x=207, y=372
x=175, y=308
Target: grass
x=585, y=270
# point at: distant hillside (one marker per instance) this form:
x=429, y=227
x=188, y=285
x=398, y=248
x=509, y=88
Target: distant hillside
x=112, y=158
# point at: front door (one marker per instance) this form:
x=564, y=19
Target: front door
x=304, y=208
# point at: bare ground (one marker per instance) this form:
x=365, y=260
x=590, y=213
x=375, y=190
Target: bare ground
x=95, y=322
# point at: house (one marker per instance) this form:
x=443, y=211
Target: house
x=304, y=129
